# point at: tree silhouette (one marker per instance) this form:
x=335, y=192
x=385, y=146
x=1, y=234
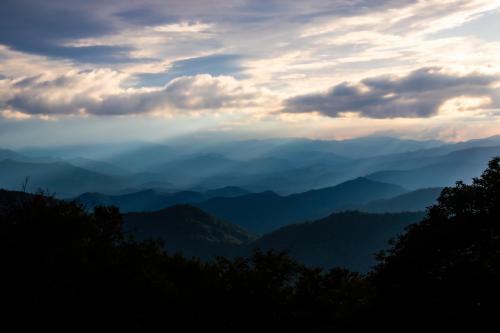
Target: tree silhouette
x=444, y=273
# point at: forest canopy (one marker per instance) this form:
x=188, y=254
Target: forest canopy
x=442, y=273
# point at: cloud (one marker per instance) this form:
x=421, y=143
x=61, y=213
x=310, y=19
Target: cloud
x=40, y=27
x=183, y=94
x=419, y=94
x=114, y=57
x=102, y=92
x=215, y=65
x=54, y=28
x=9, y=114
x=403, y=17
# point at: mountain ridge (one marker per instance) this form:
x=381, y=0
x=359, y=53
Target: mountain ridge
x=263, y=212
x=188, y=229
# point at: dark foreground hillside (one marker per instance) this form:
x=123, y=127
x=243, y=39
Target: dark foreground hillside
x=349, y=239
x=189, y=230
x=443, y=274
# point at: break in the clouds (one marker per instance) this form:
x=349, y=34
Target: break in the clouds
x=419, y=94
x=254, y=63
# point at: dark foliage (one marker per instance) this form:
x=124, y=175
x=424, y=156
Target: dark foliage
x=189, y=230
x=442, y=275
x=54, y=252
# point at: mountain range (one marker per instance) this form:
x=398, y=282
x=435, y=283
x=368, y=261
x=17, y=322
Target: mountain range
x=346, y=239
x=440, y=170
x=257, y=212
x=284, y=166
x=151, y=200
x=59, y=177
x=263, y=212
x=413, y=201
x=209, y=197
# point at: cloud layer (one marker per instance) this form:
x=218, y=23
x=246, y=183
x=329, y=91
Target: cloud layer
x=230, y=64
x=419, y=94
x=101, y=93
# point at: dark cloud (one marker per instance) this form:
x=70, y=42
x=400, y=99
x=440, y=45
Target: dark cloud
x=419, y=94
x=146, y=16
x=41, y=27
x=45, y=26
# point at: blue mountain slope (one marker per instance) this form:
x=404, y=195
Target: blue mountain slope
x=263, y=212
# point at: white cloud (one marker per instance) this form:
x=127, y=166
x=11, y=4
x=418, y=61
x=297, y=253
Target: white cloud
x=15, y=115
x=283, y=49
x=183, y=27
x=421, y=17
x=102, y=92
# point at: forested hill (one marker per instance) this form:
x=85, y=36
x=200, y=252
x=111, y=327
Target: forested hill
x=189, y=230
x=347, y=239
x=441, y=273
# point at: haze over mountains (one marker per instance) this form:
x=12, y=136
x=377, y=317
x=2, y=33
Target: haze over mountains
x=284, y=166
x=327, y=203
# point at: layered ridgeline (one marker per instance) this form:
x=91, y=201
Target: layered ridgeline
x=283, y=166
x=442, y=170
x=257, y=212
x=264, y=212
x=54, y=251
x=347, y=239
x=151, y=200
x=61, y=178
x=67, y=178
x=413, y=201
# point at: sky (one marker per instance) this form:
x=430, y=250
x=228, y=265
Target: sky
x=89, y=71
